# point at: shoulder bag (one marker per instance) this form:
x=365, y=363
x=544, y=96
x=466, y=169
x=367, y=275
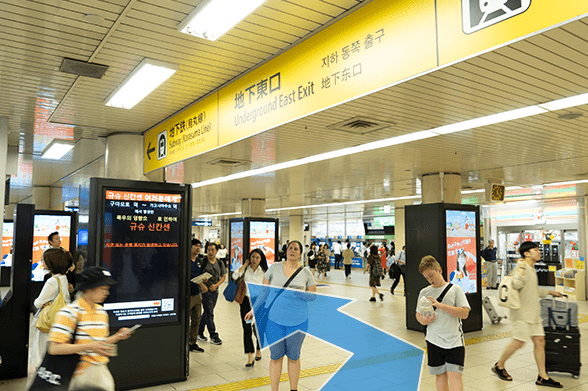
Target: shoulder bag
x=231, y=289
x=262, y=313
x=508, y=297
x=55, y=372
x=47, y=315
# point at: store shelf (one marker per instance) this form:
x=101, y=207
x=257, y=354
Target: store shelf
x=575, y=287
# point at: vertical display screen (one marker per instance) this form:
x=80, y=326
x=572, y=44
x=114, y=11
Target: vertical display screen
x=237, y=242
x=7, y=237
x=262, y=235
x=142, y=251
x=461, y=249
x=43, y=226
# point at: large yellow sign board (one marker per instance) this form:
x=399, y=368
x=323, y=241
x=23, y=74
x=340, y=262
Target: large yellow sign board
x=193, y=131
x=468, y=27
x=378, y=45
x=383, y=43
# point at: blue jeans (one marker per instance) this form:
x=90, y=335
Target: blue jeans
x=208, y=303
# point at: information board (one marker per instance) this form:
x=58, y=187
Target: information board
x=7, y=237
x=141, y=249
x=262, y=235
x=461, y=249
x=44, y=225
x=237, y=242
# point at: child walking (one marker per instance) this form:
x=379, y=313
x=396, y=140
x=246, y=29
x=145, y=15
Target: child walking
x=445, y=342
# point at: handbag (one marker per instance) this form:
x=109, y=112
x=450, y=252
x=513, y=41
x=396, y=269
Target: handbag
x=241, y=291
x=55, y=372
x=262, y=313
x=47, y=315
x=231, y=290
x=508, y=297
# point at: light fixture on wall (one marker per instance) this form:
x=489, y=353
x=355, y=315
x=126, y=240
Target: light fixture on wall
x=57, y=148
x=145, y=78
x=212, y=18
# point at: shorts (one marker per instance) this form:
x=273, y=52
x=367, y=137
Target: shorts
x=523, y=331
x=290, y=346
x=445, y=360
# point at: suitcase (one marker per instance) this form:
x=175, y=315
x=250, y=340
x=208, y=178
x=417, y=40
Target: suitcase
x=495, y=312
x=562, y=350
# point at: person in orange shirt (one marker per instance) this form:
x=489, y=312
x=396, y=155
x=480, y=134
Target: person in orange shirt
x=92, y=341
x=383, y=253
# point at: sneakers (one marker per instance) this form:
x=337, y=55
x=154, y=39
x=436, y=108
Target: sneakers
x=372, y=299
x=202, y=338
x=381, y=297
x=216, y=341
x=196, y=348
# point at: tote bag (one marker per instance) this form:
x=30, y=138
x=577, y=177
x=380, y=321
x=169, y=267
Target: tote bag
x=231, y=289
x=47, y=315
x=508, y=297
x=55, y=372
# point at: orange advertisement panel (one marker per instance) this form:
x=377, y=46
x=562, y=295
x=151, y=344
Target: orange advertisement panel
x=262, y=235
x=44, y=225
x=7, y=237
x=461, y=249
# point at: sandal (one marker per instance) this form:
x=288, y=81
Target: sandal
x=502, y=374
x=548, y=382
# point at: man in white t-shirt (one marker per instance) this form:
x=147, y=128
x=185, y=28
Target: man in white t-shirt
x=445, y=342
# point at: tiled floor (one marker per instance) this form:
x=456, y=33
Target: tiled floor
x=222, y=367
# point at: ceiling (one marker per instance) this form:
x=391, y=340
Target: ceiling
x=42, y=103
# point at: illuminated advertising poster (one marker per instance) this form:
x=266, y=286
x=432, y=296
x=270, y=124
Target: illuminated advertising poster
x=262, y=235
x=7, y=237
x=461, y=249
x=44, y=225
x=236, y=245
x=141, y=250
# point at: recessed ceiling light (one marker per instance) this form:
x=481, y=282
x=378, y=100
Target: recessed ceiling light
x=145, y=78
x=57, y=148
x=212, y=18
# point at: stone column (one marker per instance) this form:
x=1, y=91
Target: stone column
x=441, y=187
x=124, y=157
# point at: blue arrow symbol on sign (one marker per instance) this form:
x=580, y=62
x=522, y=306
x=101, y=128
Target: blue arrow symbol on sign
x=379, y=360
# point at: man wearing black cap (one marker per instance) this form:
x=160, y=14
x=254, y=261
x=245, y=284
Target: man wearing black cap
x=92, y=342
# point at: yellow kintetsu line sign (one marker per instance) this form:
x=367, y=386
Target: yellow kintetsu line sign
x=379, y=45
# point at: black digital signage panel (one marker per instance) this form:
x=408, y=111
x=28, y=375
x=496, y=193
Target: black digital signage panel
x=141, y=248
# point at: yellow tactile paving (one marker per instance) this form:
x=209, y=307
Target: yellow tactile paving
x=264, y=381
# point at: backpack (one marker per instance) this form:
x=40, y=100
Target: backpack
x=378, y=270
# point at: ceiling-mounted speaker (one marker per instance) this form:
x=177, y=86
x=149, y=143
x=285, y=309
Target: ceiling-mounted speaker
x=82, y=68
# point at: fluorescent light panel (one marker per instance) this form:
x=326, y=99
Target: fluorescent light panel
x=145, y=78
x=420, y=135
x=57, y=148
x=212, y=18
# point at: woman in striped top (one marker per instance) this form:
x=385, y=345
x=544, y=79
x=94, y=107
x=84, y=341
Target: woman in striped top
x=92, y=341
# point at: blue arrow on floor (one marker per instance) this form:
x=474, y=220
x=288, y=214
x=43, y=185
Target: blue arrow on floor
x=379, y=361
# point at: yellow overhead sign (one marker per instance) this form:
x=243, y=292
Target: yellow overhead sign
x=379, y=45
x=468, y=27
x=193, y=131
